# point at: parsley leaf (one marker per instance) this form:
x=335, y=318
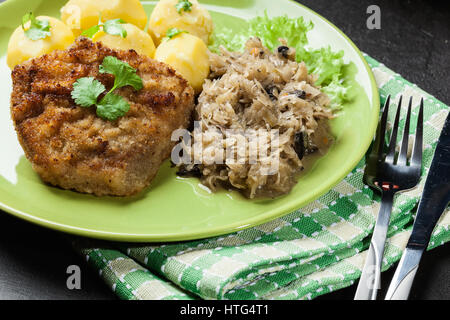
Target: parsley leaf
x=86, y=91
x=173, y=32
x=39, y=29
x=183, y=5
x=91, y=31
x=112, y=107
x=115, y=28
x=125, y=75
x=112, y=27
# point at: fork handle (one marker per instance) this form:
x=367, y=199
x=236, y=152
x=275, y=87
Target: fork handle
x=369, y=284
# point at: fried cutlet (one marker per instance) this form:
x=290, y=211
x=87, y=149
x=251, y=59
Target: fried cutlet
x=71, y=147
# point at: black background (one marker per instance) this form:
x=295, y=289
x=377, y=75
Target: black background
x=413, y=41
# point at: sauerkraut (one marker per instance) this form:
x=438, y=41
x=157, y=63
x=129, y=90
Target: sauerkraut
x=257, y=91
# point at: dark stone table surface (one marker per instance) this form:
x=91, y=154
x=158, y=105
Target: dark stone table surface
x=413, y=41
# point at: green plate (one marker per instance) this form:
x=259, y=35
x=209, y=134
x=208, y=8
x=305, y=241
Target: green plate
x=175, y=209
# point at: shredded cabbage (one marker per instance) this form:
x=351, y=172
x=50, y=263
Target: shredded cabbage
x=326, y=64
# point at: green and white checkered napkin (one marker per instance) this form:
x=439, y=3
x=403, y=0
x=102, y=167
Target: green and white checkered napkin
x=315, y=250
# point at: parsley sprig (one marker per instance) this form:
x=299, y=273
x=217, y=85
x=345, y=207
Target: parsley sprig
x=39, y=29
x=173, y=32
x=86, y=91
x=113, y=27
x=183, y=5
x=125, y=75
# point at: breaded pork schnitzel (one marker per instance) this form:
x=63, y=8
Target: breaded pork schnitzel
x=71, y=147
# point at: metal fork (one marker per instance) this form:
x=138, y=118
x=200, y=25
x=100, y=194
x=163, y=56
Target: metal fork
x=388, y=174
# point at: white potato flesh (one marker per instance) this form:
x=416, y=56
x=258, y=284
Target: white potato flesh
x=21, y=48
x=188, y=55
x=197, y=22
x=136, y=39
x=80, y=15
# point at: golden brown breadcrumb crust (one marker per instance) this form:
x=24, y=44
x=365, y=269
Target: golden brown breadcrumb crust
x=70, y=147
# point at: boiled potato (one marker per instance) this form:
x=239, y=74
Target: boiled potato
x=21, y=48
x=80, y=15
x=136, y=39
x=188, y=55
x=197, y=22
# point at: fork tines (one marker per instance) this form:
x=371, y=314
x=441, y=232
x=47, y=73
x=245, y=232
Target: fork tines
x=416, y=159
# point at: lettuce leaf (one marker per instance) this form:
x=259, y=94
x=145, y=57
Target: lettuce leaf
x=329, y=67
x=325, y=63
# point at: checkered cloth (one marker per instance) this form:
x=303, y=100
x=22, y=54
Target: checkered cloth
x=310, y=252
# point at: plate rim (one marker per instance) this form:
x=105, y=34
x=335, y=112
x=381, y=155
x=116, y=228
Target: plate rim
x=233, y=227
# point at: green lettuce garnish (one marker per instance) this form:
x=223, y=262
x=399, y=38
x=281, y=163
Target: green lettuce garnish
x=327, y=65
